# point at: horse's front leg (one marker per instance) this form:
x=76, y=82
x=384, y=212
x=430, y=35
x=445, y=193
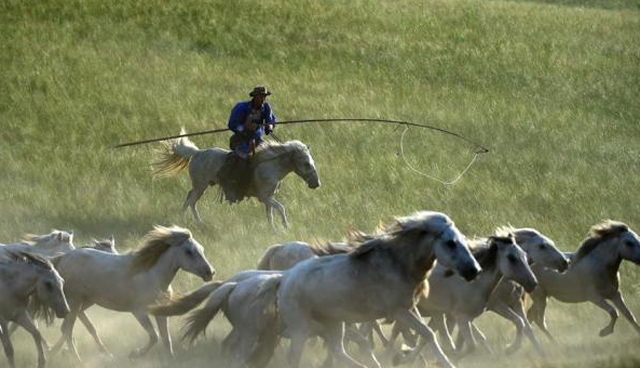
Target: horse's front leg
x=145, y=321
x=612, y=313
x=411, y=319
x=334, y=337
x=618, y=301
x=163, y=328
x=6, y=344
x=271, y=203
x=26, y=323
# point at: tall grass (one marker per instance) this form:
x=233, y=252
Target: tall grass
x=551, y=89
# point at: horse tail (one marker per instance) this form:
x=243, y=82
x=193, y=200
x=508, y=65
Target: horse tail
x=185, y=303
x=174, y=156
x=264, y=262
x=197, y=322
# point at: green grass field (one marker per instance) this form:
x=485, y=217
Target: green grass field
x=551, y=87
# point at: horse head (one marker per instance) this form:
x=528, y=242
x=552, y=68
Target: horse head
x=50, y=286
x=512, y=261
x=539, y=249
x=304, y=166
x=450, y=245
x=628, y=245
x=189, y=255
x=107, y=245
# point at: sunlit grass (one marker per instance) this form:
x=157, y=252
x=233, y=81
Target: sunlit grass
x=552, y=90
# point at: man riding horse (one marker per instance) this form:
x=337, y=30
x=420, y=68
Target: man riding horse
x=249, y=121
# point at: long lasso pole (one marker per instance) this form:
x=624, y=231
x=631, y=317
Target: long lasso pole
x=478, y=148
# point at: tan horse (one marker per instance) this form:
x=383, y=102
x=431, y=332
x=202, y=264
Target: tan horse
x=272, y=162
x=382, y=278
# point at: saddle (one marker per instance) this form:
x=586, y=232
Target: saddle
x=235, y=174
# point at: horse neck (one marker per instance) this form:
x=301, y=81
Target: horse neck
x=23, y=279
x=419, y=263
x=280, y=166
x=164, y=271
x=488, y=279
x=609, y=260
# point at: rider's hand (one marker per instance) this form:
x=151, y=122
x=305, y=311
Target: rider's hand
x=268, y=129
x=251, y=125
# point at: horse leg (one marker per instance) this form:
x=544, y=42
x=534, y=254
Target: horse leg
x=464, y=325
x=192, y=200
x=26, y=323
x=439, y=324
x=334, y=337
x=618, y=301
x=411, y=319
x=92, y=330
x=6, y=344
x=365, y=346
x=298, y=339
x=67, y=330
x=163, y=328
x=145, y=321
x=518, y=309
x=269, y=209
x=270, y=201
x=612, y=313
x=536, y=312
x=504, y=311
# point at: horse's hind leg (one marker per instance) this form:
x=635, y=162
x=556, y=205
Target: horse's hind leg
x=145, y=321
x=26, y=323
x=618, y=301
x=6, y=344
x=612, y=313
x=163, y=328
x=365, y=346
x=192, y=200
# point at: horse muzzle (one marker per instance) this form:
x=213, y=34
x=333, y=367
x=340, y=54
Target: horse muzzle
x=564, y=264
x=208, y=275
x=469, y=273
x=61, y=312
x=313, y=184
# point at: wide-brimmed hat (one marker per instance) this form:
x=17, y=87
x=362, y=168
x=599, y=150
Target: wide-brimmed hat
x=260, y=90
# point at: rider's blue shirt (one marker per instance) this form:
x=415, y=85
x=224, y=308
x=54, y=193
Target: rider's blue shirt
x=239, y=116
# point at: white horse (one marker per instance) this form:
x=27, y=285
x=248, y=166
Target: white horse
x=506, y=300
x=500, y=257
x=592, y=275
x=132, y=281
x=47, y=245
x=25, y=278
x=286, y=255
x=382, y=278
x=105, y=245
x=272, y=162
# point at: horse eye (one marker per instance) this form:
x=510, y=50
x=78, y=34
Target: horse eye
x=542, y=246
x=49, y=286
x=451, y=244
x=629, y=243
x=188, y=252
x=511, y=258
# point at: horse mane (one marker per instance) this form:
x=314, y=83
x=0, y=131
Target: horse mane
x=20, y=256
x=156, y=243
x=597, y=235
x=402, y=230
x=272, y=150
x=328, y=249
x=36, y=240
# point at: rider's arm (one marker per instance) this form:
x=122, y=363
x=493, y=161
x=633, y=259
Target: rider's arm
x=270, y=119
x=238, y=118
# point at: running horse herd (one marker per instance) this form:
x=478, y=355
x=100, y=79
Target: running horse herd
x=420, y=267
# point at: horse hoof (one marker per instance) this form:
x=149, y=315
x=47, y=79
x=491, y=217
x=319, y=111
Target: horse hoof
x=606, y=331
